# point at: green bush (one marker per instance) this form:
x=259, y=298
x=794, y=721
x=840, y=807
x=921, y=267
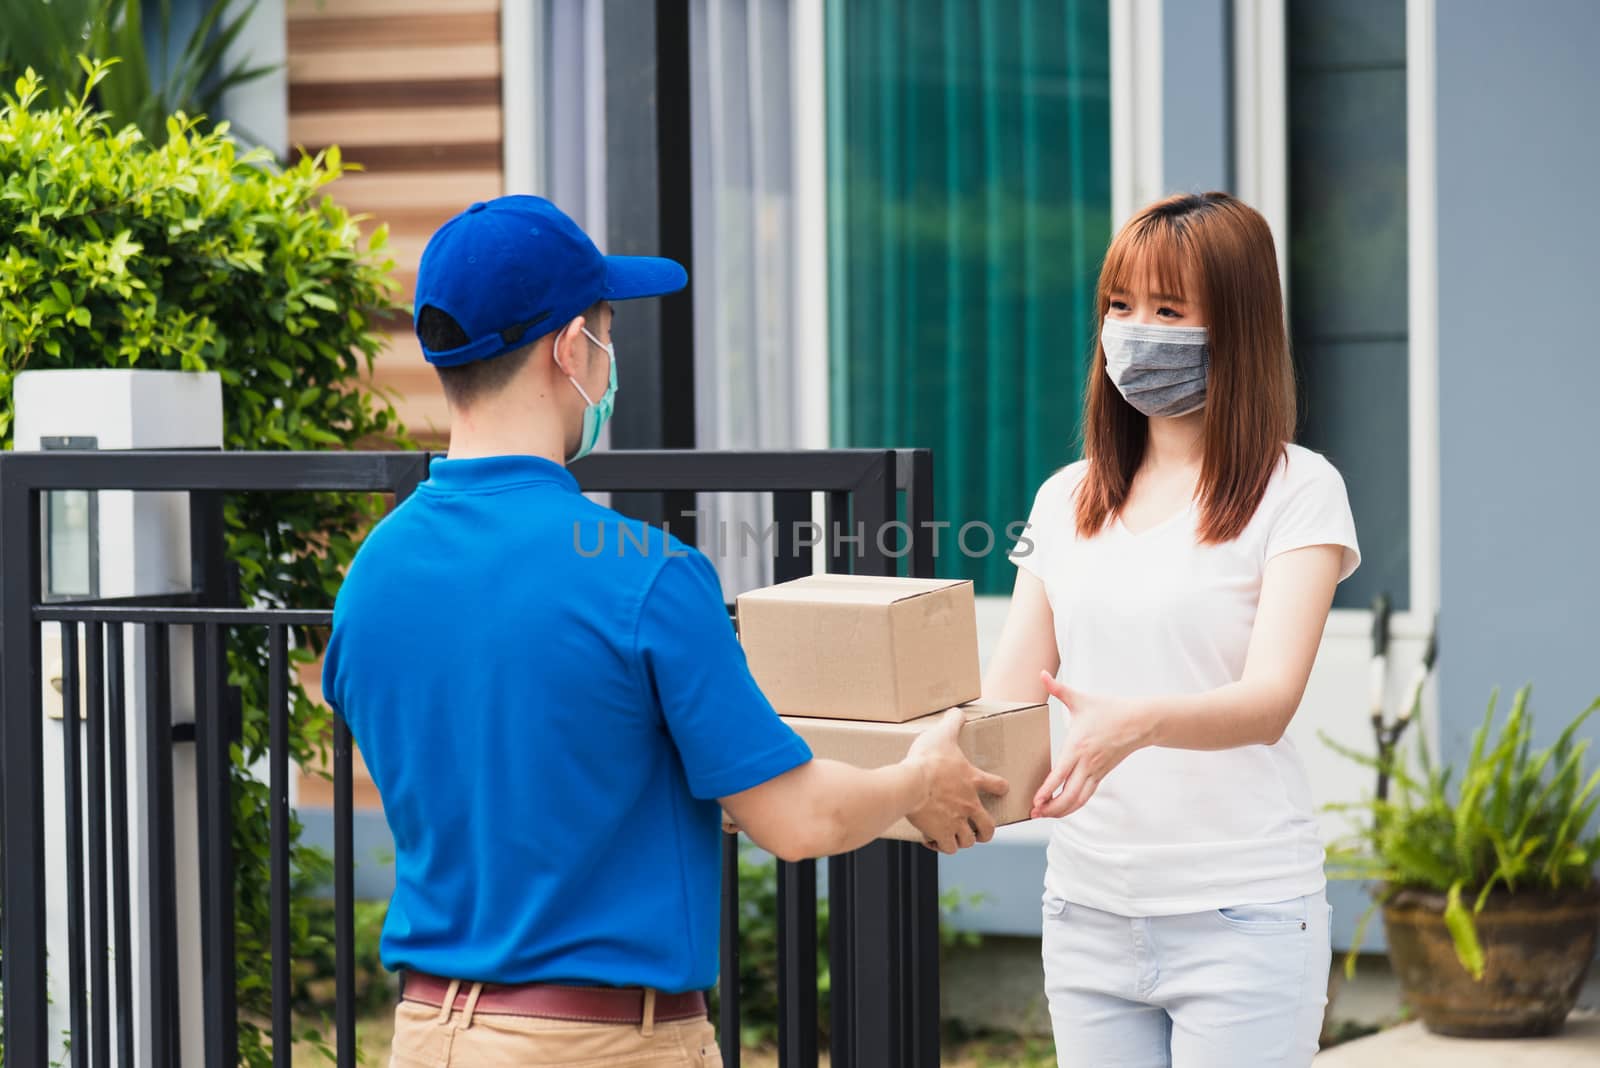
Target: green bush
x=1519, y=820
x=189, y=256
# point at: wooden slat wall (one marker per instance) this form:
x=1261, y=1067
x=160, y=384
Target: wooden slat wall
x=409, y=89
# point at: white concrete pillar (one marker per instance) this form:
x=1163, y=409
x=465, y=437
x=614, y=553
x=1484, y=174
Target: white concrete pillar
x=142, y=542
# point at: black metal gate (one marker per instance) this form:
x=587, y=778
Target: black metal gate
x=884, y=898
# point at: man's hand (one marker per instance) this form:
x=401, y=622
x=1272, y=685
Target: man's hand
x=1104, y=731
x=953, y=816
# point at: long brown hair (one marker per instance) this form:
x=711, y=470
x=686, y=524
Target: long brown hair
x=1223, y=248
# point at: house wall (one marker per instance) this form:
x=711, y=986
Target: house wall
x=1519, y=360
x=1196, y=95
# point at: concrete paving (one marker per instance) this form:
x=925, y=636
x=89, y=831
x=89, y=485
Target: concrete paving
x=1411, y=1046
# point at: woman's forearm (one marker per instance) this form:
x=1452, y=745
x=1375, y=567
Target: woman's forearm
x=1240, y=713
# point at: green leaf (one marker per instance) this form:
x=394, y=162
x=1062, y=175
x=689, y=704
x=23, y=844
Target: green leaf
x=1357, y=939
x=1511, y=823
x=1463, y=932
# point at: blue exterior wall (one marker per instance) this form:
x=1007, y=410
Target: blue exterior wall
x=1519, y=359
x=1196, y=95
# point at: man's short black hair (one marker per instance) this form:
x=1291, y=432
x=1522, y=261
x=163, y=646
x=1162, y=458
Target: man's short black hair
x=468, y=383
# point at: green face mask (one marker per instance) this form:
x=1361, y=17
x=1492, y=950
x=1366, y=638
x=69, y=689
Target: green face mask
x=598, y=412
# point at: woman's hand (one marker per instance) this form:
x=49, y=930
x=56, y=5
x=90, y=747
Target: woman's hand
x=1104, y=731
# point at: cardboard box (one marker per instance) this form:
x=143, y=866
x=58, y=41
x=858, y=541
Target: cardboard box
x=862, y=646
x=1009, y=738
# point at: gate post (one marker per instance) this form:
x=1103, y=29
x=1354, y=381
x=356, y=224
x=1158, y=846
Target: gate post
x=884, y=898
x=137, y=544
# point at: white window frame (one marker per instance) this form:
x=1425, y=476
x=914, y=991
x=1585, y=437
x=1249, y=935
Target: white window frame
x=808, y=95
x=1136, y=115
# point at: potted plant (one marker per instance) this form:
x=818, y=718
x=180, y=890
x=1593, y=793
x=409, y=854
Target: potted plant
x=1488, y=886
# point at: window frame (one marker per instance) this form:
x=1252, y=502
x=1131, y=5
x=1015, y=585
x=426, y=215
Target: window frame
x=808, y=95
x=1261, y=160
x=1137, y=64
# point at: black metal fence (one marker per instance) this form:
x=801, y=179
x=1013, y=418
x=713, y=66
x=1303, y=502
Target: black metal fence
x=884, y=898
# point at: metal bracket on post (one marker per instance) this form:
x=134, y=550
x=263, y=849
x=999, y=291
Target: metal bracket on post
x=217, y=724
x=918, y=894
x=797, y=964
x=728, y=1007
x=22, y=924
x=797, y=883
x=920, y=886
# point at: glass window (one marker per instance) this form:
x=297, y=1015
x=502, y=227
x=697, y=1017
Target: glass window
x=969, y=198
x=1347, y=268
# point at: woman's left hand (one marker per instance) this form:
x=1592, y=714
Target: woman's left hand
x=1104, y=731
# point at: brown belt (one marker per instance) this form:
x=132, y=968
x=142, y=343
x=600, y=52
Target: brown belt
x=586, y=1004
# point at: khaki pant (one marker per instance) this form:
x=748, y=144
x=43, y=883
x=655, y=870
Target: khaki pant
x=428, y=1037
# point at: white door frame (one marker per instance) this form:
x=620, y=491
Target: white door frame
x=521, y=111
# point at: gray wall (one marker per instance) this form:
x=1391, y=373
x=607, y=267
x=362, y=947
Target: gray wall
x=1519, y=358
x=1196, y=96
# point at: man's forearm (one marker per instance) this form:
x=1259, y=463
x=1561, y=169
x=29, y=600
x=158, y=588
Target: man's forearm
x=852, y=806
x=825, y=807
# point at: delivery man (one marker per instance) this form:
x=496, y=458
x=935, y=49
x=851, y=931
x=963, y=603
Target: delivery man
x=552, y=730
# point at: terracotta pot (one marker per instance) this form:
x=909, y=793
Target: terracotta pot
x=1537, y=948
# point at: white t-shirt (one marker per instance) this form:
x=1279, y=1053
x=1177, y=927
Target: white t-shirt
x=1174, y=830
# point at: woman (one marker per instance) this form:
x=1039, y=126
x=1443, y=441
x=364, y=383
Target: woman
x=1171, y=593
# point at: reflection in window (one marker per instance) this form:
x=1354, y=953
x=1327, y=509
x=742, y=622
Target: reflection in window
x=969, y=208
x=1347, y=268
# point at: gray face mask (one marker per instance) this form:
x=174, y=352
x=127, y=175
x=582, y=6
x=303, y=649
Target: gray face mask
x=1160, y=370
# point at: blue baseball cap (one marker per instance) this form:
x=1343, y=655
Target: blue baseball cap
x=510, y=270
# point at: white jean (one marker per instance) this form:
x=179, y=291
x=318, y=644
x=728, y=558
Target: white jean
x=1216, y=989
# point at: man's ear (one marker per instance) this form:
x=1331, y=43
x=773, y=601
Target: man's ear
x=565, y=346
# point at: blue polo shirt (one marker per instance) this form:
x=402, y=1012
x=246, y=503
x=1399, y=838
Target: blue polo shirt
x=549, y=698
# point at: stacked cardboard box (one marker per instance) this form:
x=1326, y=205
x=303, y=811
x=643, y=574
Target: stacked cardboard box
x=860, y=665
